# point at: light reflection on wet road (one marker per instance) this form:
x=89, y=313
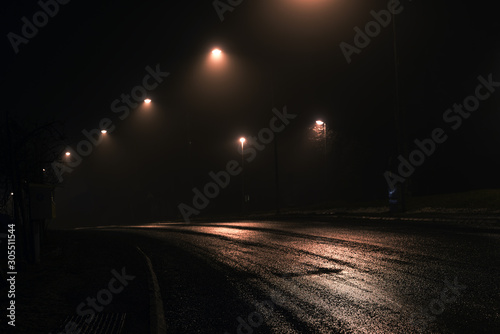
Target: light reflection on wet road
x=353, y=277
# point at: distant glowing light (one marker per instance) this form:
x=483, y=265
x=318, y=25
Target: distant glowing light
x=104, y=132
x=43, y=170
x=11, y=194
x=216, y=52
x=147, y=101
x=320, y=122
x=242, y=140
x=68, y=154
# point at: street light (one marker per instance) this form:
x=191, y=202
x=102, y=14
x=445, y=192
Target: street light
x=216, y=62
x=104, y=132
x=147, y=101
x=242, y=141
x=67, y=154
x=199, y=78
x=321, y=123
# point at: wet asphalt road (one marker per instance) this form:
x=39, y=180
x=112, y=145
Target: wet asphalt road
x=324, y=277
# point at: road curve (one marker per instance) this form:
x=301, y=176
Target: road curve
x=317, y=277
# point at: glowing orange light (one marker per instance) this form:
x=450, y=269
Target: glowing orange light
x=216, y=52
x=147, y=101
x=320, y=122
x=68, y=154
x=104, y=132
x=242, y=140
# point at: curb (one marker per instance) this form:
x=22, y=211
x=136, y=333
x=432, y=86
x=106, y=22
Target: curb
x=157, y=316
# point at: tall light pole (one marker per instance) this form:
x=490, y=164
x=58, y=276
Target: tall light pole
x=276, y=167
x=323, y=125
x=242, y=141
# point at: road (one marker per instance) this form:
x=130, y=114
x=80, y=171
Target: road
x=324, y=277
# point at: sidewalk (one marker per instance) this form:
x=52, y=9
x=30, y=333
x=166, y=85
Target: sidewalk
x=480, y=219
x=485, y=219
x=383, y=211
x=85, y=279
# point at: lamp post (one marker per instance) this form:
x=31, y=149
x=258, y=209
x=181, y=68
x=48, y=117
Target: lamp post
x=242, y=141
x=323, y=125
x=276, y=167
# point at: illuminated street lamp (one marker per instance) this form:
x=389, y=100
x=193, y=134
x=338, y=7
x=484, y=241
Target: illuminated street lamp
x=67, y=154
x=242, y=141
x=104, y=132
x=147, y=101
x=321, y=123
x=217, y=61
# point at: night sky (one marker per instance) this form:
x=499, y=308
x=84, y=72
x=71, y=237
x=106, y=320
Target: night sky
x=275, y=54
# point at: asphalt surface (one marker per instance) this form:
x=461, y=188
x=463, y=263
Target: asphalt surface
x=323, y=277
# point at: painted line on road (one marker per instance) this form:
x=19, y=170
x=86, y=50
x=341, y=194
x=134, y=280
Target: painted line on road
x=157, y=316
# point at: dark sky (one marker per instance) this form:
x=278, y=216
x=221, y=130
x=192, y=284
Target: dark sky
x=277, y=53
